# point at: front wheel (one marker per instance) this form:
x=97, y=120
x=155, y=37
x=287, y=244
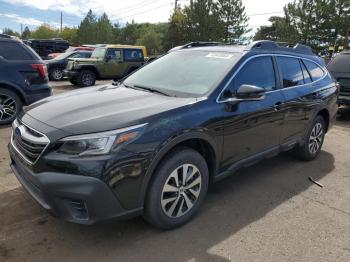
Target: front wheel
x=314, y=140
x=177, y=190
x=86, y=78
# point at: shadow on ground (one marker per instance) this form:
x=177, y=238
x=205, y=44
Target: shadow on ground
x=232, y=204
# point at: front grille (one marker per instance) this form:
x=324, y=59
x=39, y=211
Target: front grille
x=344, y=85
x=28, y=143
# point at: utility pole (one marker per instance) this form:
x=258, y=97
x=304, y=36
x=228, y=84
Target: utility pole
x=346, y=40
x=61, y=20
x=175, y=5
x=21, y=30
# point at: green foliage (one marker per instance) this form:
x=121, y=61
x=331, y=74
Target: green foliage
x=26, y=33
x=87, y=29
x=9, y=31
x=104, y=30
x=69, y=34
x=45, y=31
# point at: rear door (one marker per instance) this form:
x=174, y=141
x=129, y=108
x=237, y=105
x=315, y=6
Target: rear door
x=133, y=59
x=300, y=93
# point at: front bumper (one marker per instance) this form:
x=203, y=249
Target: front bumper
x=74, y=198
x=70, y=73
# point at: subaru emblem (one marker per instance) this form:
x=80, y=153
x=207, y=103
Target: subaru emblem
x=17, y=132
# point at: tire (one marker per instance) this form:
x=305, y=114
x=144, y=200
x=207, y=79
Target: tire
x=56, y=74
x=166, y=195
x=86, y=78
x=10, y=106
x=314, y=140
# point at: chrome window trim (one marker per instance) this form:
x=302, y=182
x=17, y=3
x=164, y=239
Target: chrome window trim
x=325, y=73
x=16, y=124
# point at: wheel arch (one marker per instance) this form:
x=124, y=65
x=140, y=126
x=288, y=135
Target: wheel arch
x=325, y=114
x=14, y=89
x=92, y=68
x=198, y=141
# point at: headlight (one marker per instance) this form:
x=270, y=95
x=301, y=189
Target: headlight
x=99, y=143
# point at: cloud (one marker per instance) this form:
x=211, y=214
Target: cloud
x=30, y=21
x=139, y=10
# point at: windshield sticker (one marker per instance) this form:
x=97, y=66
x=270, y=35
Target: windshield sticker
x=219, y=55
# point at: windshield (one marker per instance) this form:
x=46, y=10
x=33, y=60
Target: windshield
x=340, y=63
x=185, y=74
x=98, y=53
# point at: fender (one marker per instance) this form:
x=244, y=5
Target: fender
x=166, y=147
x=17, y=90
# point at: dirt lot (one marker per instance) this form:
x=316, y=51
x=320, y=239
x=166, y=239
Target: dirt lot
x=268, y=212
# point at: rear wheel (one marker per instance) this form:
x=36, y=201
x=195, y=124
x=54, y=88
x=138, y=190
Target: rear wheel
x=86, y=78
x=10, y=106
x=56, y=74
x=314, y=140
x=177, y=190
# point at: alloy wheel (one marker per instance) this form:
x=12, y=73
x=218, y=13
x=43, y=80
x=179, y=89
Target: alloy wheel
x=87, y=79
x=316, y=138
x=8, y=107
x=57, y=74
x=181, y=190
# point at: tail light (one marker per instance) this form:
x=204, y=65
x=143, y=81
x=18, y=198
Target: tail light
x=42, y=70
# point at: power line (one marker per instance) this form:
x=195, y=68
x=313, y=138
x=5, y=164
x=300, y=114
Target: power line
x=143, y=12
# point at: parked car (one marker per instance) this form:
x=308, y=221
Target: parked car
x=56, y=66
x=152, y=144
x=109, y=62
x=339, y=67
x=44, y=47
x=23, y=78
x=70, y=50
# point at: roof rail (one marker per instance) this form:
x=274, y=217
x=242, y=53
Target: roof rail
x=194, y=44
x=275, y=46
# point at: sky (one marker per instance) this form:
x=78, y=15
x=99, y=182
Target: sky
x=33, y=13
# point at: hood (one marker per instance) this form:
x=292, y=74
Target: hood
x=103, y=108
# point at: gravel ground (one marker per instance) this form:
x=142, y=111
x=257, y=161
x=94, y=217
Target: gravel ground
x=268, y=212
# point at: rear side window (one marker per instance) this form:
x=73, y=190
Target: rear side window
x=315, y=71
x=133, y=55
x=14, y=51
x=291, y=71
x=258, y=72
x=307, y=77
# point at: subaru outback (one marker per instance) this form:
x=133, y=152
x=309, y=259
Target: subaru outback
x=153, y=143
x=109, y=62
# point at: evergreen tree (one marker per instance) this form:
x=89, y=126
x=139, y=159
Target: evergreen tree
x=233, y=18
x=104, y=32
x=26, y=33
x=87, y=29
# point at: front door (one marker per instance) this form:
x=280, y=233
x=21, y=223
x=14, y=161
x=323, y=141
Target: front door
x=253, y=127
x=113, y=66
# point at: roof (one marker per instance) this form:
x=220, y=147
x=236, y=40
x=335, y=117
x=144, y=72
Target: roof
x=125, y=46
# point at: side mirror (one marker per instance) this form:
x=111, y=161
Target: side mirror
x=247, y=93
x=250, y=92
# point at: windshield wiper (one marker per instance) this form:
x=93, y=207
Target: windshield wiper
x=149, y=89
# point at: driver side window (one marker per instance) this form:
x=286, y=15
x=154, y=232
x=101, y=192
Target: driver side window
x=114, y=54
x=257, y=72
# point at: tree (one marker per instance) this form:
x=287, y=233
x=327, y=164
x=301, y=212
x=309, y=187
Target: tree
x=152, y=40
x=44, y=31
x=9, y=31
x=234, y=19
x=26, y=33
x=70, y=34
x=202, y=21
x=87, y=29
x=175, y=34
x=104, y=32
x=280, y=31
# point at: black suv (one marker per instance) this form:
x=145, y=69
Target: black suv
x=23, y=78
x=339, y=67
x=152, y=144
